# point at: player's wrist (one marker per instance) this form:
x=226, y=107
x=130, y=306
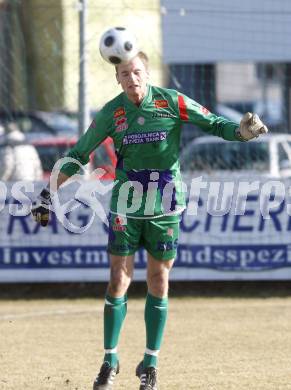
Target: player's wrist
x=239, y=136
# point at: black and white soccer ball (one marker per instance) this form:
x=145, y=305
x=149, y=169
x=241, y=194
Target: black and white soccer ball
x=118, y=45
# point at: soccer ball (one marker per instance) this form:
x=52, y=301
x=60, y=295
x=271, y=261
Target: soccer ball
x=118, y=45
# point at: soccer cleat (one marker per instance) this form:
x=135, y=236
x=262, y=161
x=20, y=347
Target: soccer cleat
x=106, y=376
x=147, y=376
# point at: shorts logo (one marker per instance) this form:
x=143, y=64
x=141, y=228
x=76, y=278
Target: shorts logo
x=119, y=223
x=119, y=220
x=165, y=246
x=162, y=103
x=119, y=112
x=170, y=232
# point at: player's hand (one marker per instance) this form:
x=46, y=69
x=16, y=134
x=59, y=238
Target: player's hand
x=40, y=211
x=250, y=127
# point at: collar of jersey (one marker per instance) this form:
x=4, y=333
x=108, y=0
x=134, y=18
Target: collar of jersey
x=147, y=99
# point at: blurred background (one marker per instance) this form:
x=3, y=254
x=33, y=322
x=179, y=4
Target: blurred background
x=219, y=53
x=230, y=57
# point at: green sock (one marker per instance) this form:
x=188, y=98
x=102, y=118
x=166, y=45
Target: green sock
x=156, y=310
x=114, y=314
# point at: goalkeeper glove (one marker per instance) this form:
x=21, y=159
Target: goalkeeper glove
x=250, y=127
x=41, y=209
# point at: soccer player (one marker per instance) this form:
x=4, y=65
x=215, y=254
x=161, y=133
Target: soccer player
x=145, y=123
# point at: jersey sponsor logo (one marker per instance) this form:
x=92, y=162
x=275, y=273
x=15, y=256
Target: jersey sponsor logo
x=119, y=112
x=170, y=232
x=121, y=124
x=162, y=103
x=122, y=127
x=145, y=138
x=119, y=224
x=158, y=114
x=120, y=121
x=140, y=120
x=204, y=110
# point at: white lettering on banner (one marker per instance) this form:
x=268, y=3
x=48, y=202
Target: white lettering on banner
x=51, y=257
x=21, y=258
x=6, y=256
x=203, y=256
x=186, y=256
x=236, y=257
x=38, y=257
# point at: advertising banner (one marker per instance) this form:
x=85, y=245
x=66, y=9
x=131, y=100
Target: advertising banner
x=225, y=234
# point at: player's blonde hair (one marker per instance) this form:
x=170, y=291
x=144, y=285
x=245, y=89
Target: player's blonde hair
x=142, y=55
x=145, y=59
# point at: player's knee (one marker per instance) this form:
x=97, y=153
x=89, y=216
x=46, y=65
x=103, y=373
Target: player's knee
x=119, y=282
x=158, y=284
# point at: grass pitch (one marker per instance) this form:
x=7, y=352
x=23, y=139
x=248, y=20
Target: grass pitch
x=211, y=343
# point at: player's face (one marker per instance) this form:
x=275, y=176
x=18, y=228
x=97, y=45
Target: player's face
x=133, y=78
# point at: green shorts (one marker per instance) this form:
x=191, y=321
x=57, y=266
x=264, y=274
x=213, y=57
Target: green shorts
x=159, y=236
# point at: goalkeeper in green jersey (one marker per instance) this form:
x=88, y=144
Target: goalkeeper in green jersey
x=145, y=123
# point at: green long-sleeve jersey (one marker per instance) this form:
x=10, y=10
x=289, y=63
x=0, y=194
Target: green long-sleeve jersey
x=147, y=140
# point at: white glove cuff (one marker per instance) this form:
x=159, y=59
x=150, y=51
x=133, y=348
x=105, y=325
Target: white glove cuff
x=45, y=197
x=239, y=136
